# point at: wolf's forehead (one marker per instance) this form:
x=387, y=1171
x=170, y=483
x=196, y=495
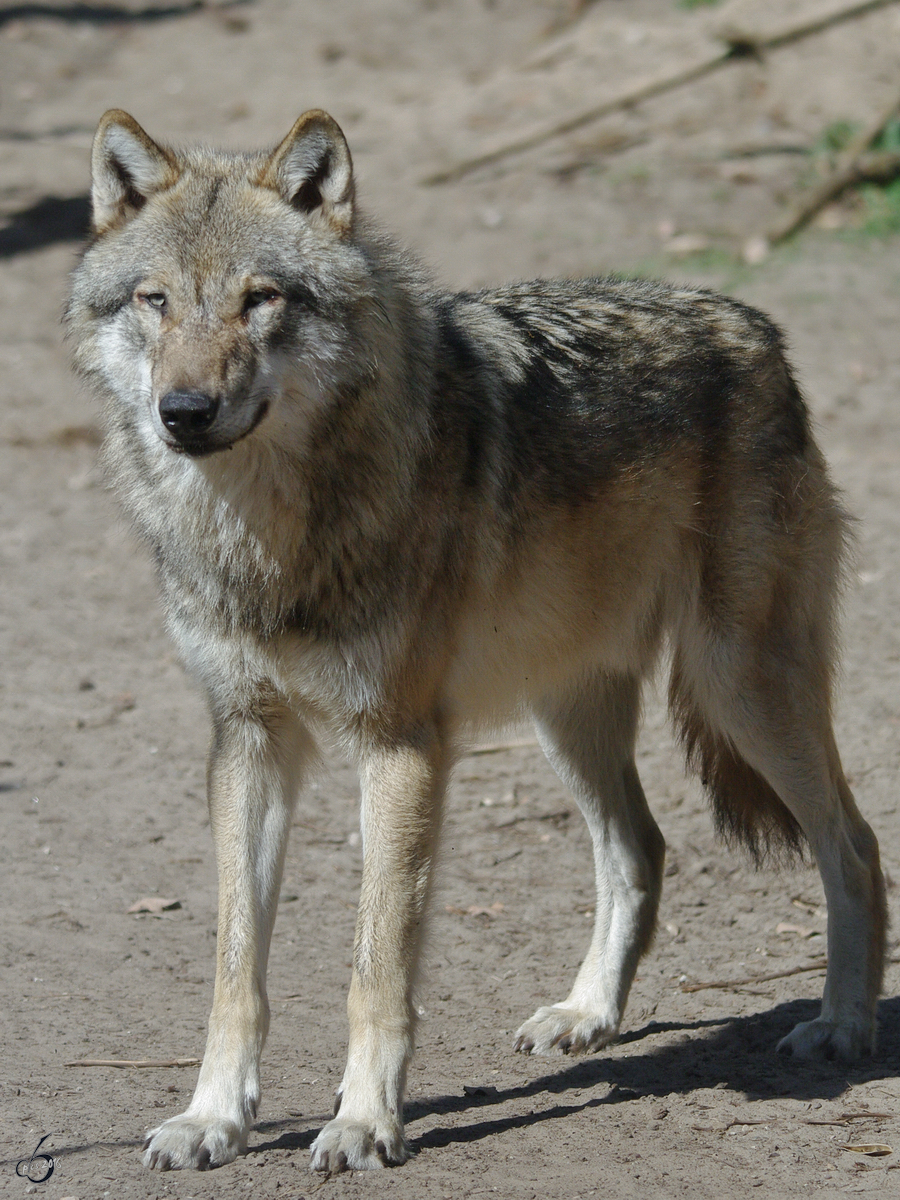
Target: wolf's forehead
x=223, y=225
x=224, y=196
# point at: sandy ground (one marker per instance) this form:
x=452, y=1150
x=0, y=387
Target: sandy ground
x=101, y=759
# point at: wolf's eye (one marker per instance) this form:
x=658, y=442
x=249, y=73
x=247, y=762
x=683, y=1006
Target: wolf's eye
x=258, y=297
x=155, y=300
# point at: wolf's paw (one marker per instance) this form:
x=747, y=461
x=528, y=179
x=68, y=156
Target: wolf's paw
x=348, y=1145
x=184, y=1141
x=828, y=1040
x=568, y=1030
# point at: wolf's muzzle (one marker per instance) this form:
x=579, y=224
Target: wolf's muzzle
x=188, y=416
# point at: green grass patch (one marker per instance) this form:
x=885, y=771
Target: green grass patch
x=889, y=138
x=839, y=134
x=835, y=137
x=878, y=206
x=881, y=211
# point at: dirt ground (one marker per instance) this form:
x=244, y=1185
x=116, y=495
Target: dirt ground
x=103, y=741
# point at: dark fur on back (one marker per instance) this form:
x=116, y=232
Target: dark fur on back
x=606, y=374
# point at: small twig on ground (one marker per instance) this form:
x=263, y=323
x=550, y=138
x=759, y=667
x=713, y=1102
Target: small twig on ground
x=738, y=45
x=500, y=747
x=819, y=24
x=820, y=965
x=562, y=814
x=134, y=1062
x=734, y=983
x=846, y=1118
x=569, y=14
x=854, y=166
x=570, y=124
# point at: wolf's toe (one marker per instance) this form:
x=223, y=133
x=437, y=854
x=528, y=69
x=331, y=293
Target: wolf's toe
x=826, y=1040
x=558, y=1029
x=347, y=1145
x=185, y=1143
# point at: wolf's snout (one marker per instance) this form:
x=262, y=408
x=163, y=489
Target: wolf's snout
x=188, y=415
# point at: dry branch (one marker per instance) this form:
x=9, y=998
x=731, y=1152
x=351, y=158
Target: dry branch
x=738, y=44
x=821, y=965
x=733, y=983
x=854, y=166
x=529, y=142
x=134, y=1062
x=807, y=29
x=500, y=747
x=846, y=1118
x=570, y=14
x=562, y=814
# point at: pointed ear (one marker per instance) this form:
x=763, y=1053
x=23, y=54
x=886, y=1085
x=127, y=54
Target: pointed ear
x=312, y=170
x=127, y=167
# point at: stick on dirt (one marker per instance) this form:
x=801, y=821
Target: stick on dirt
x=738, y=45
x=733, y=983
x=134, y=1062
x=854, y=166
x=499, y=747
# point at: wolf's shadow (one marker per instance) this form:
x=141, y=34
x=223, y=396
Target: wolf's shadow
x=736, y=1051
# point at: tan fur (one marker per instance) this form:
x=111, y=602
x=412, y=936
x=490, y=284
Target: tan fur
x=398, y=517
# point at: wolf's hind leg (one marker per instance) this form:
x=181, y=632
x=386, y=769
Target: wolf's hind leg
x=751, y=688
x=847, y=855
x=792, y=747
x=759, y=724
x=254, y=767
x=589, y=737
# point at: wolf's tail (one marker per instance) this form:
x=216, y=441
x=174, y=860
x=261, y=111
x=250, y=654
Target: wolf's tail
x=746, y=808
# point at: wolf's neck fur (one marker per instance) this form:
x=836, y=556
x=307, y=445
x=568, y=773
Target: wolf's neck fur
x=286, y=533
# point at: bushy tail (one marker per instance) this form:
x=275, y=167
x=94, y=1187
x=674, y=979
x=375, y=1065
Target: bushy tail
x=747, y=810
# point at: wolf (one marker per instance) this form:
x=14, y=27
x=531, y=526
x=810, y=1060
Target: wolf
x=396, y=516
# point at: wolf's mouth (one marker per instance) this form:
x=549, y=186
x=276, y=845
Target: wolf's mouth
x=201, y=444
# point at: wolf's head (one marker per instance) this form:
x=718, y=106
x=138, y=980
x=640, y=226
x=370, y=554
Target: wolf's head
x=219, y=288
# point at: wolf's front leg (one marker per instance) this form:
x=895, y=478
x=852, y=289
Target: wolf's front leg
x=402, y=790
x=257, y=754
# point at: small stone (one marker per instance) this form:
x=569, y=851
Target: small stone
x=755, y=251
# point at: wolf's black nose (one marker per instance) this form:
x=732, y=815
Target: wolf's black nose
x=187, y=414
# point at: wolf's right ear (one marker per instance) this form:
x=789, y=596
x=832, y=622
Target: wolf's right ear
x=127, y=167
x=312, y=170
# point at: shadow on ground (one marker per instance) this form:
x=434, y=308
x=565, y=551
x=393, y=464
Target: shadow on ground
x=105, y=14
x=50, y=220
x=737, y=1052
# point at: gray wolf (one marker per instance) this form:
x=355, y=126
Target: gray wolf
x=395, y=516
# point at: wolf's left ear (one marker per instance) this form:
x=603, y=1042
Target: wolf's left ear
x=127, y=167
x=312, y=170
